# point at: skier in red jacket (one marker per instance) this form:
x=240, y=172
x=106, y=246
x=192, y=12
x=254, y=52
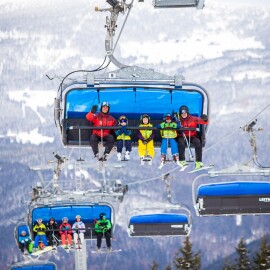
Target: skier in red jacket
x=190, y=121
x=99, y=120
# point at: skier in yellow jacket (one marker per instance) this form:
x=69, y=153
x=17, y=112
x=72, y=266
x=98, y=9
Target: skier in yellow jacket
x=146, y=143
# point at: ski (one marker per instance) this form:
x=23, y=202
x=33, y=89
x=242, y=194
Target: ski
x=184, y=167
x=102, y=251
x=41, y=251
x=147, y=159
x=201, y=169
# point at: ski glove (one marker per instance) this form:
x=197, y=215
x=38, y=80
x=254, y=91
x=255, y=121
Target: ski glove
x=148, y=140
x=94, y=109
x=144, y=141
x=204, y=117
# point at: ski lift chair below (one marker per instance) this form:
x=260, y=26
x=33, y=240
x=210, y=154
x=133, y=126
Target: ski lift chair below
x=233, y=198
x=165, y=224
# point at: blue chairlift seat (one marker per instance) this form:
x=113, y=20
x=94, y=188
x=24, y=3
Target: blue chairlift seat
x=89, y=214
x=232, y=198
x=164, y=224
x=34, y=266
x=127, y=96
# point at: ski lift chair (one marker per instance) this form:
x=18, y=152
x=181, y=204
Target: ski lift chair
x=231, y=197
x=131, y=91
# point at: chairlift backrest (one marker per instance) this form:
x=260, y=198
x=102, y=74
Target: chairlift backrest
x=165, y=224
x=89, y=214
x=34, y=266
x=233, y=198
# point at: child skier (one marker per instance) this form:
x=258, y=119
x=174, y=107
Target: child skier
x=123, y=138
x=146, y=143
x=168, y=137
x=66, y=232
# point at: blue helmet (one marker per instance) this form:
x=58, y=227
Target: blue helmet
x=166, y=116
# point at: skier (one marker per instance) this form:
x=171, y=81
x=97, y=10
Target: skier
x=123, y=138
x=103, y=229
x=78, y=230
x=66, y=232
x=40, y=238
x=168, y=137
x=52, y=231
x=101, y=119
x=24, y=242
x=190, y=121
x=146, y=143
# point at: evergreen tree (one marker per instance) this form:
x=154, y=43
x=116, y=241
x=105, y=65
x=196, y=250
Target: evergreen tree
x=243, y=261
x=185, y=259
x=168, y=267
x=154, y=266
x=228, y=266
x=262, y=259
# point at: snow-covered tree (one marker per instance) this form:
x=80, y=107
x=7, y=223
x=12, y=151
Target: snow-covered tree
x=262, y=258
x=186, y=259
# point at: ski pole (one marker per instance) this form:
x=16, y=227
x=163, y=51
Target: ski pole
x=188, y=146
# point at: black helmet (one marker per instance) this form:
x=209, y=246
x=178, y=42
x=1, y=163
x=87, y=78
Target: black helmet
x=122, y=119
x=102, y=215
x=183, y=109
x=145, y=115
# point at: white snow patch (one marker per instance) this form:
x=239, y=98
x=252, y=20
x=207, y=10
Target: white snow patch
x=198, y=45
x=32, y=137
x=33, y=99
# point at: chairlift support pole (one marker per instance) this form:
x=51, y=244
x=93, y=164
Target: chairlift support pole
x=116, y=8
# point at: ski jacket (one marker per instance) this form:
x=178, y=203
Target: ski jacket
x=65, y=228
x=169, y=133
x=78, y=225
x=103, y=225
x=101, y=120
x=123, y=133
x=51, y=228
x=40, y=229
x=191, y=122
x=24, y=239
x=145, y=134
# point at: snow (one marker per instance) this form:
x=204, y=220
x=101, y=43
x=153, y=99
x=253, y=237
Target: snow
x=196, y=46
x=33, y=137
x=33, y=100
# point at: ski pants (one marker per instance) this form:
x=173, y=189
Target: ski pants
x=75, y=237
x=50, y=238
x=107, y=236
x=24, y=246
x=165, y=144
x=146, y=149
x=66, y=239
x=108, y=143
x=182, y=144
x=122, y=143
x=39, y=238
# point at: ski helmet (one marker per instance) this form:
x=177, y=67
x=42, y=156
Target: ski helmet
x=105, y=103
x=102, y=215
x=64, y=218
x=52, y=219
x=144, y=116
x=78, y=216
x=122, y=119
x=183, y=109
x=167, y=116
x=39, y=219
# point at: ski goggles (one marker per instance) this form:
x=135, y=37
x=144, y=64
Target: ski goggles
x=168, y=118
x=183, y=111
